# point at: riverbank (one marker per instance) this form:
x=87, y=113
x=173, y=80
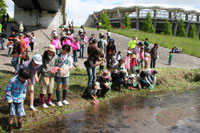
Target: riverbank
x=168, y=79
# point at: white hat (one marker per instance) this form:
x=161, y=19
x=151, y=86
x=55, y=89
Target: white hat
x=37, y=58
x=97, y=85
x=132, y=75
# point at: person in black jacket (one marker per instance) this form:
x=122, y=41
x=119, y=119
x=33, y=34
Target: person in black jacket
x=110, y=52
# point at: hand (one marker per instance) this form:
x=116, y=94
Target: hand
x=10, y=101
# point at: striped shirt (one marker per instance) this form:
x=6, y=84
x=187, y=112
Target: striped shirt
x=15, y=90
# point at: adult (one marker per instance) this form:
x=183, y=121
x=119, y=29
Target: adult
x=3, y=39
x=154, y=55
x=91, y=38
x=92, y=62
x=146, y=45
x=110, y=52
x=33, y=66
x=82, y=45
x=92, y=47
x=47, y=75
x=132, y=43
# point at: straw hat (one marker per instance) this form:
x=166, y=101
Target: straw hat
x=52, y=48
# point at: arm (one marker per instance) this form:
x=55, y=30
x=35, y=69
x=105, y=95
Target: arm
x=8, y=92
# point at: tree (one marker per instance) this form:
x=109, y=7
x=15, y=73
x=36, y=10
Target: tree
x=3, y=7
x=181, y=29
x=167, y=28
x=105, y=22
x=147, y=25
x=127, y=22
x=193, y=32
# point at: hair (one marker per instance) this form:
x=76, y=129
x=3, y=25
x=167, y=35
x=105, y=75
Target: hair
x=146, y=39
x=66, y=48
x=155, y=45
x=94, y=41
x=97, y=52
x=119, y=52
x=25, y=74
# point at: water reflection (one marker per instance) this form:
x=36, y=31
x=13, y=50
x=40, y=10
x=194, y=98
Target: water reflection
x=134, y=114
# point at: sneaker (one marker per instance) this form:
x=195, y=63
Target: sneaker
x=33, y=108
x=44, y=106
x=65, y=102
x=60, y=103
x=52, y=104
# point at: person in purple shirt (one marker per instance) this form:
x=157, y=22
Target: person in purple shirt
x=15, y=95
x=33, y=66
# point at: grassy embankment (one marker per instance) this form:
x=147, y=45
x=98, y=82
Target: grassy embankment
x=189, y=46
x=168, y=79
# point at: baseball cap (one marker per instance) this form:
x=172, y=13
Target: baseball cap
x=37, y=58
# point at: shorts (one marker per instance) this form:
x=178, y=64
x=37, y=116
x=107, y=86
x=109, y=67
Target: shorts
x=63, y=81
x=30, y=87
x=16, y=109
x=44, y=87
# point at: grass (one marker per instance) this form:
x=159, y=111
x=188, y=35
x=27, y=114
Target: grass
x=189, y=46
x=168, y=79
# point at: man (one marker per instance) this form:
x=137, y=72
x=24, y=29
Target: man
x=132, y=43
x=33, y=66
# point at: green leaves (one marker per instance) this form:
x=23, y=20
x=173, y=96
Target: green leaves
x=127, y=22
x=104, y=20
x=181, y=29
x=167, y=28
x=3, y=7
x=147, y=25
x=193, y=32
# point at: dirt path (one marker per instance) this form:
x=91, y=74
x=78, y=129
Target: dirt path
x=179, y=60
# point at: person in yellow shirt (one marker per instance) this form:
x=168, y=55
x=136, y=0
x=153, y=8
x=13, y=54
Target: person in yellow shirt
x=132, y=43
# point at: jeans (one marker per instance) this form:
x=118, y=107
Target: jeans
x=153, y=63
x=15, y=62
x=9, y=51
x=3, y=43
x=81, y=51
x=75, y=56
x=91, y=75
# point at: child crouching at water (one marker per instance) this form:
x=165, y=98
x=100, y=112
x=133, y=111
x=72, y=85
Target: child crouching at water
x=15, y=95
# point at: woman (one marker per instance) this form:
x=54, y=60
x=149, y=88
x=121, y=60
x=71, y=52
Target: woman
x=154, y=55
x=92, y=62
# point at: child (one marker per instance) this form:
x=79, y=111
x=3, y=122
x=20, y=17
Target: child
x=127, y=60
x=119, y=56
x=56, y=43
x=10, y=45
x=15, y=95
x=105, y=82
x=141, y=56
x=147, y=59
x=65, y=63
x=133, y=63
x=91, y=91
x=32, y=41
x=75, y=45
x=170, y=57
x=47, y=76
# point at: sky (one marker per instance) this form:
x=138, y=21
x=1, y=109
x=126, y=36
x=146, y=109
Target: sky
x=79, y=10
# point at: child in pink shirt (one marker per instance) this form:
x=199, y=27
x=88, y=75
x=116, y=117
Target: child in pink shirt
x=133, y=63
x=56, y=43
x=75, y=46
x=127, y=60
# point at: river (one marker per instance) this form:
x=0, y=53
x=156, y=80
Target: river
x=168, y=113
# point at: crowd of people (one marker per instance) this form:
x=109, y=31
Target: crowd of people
x=135, y=70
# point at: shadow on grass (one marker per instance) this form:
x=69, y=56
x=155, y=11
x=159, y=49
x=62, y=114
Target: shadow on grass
x=76, y=88
x=79, y=74
x=4, y=123
x=7, y=72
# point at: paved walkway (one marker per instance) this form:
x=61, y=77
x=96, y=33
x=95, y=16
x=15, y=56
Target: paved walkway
x=42, y=40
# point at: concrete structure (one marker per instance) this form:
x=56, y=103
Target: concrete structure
x=138, y=15
x=42, y=13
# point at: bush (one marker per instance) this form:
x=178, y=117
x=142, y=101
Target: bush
x=127, y=22
x=147, y=25
x=193, y=32
x=105, y=22
x=181, y=29
x=167, y=28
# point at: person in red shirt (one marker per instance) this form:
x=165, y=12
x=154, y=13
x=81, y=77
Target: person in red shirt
x=133, y=63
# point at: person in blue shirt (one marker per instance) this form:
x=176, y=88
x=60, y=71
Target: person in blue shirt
x=15, y=95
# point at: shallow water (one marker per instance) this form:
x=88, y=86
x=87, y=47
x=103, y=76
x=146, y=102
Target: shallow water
x=172, y=113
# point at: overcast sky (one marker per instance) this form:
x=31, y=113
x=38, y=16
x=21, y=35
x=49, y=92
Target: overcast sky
x=79, y=10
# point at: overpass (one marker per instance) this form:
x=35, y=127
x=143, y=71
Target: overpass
x=44, y=13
